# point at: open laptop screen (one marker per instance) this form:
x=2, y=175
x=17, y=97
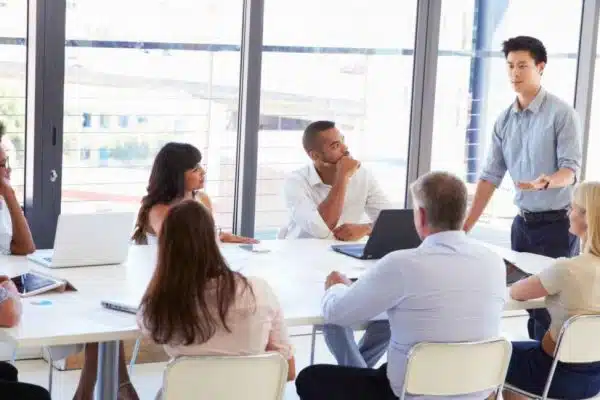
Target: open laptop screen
x=393, y=230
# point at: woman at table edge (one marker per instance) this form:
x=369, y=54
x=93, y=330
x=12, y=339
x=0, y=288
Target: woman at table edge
x=10, y=315
x=571, y=287
x=176, y=175
x=196, y=305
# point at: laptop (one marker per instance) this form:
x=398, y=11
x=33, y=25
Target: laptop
x=88, y=239
x=127, y=305
x=393, y=230
x=514, y=273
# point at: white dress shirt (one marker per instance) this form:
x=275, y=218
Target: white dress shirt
x=6, y=231
x=304, y=191
x=449, y=289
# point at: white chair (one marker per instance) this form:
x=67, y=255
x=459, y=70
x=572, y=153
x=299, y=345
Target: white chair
x=577, y=342
x=55, y=353
x=50, y=368
x=134, y=354
x=448, y=369
x=256, y=377
x=313, y=342
x=64, y=353
x=13, y=359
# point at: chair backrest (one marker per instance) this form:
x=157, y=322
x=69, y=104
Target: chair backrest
x=447, y=369
x=578, y=340
x=256, y=377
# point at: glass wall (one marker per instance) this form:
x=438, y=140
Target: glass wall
x=141, y=73
x=349, y=62
x=592, y=170
x=13, y=53
x=472, y=80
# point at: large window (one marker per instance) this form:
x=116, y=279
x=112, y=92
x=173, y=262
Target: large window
x=472, y=82
x=592, y=170
x=138, y=74
x=13, y=52
x=351, y=64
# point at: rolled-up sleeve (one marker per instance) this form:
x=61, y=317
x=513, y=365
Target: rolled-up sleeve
x=303, y=209
x=495, y=167
x=568, y=141
x=376, y=199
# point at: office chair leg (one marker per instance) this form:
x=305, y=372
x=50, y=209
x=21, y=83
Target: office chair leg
x=13, y=358
x=312, y=345
x=50, y=371
x=136, y=349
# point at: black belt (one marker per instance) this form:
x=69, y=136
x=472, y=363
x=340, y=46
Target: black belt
x=544, y=216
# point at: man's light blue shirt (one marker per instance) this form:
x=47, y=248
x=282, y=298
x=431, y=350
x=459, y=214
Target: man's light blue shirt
x=540, y=139
x=449, y=289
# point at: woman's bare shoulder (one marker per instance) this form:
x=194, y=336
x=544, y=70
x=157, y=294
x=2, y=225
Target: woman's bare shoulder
x=204, y=199
x=159, y=209
x=156, y=215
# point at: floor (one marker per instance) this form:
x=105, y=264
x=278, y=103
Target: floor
x=147, y=377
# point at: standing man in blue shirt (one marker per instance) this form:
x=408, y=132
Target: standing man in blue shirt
x=538, y=141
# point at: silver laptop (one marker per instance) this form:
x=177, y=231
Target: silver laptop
x=88, y=239
x=128, y=305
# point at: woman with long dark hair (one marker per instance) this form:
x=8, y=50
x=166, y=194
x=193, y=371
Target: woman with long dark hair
x=196, y=305
x=176, y=175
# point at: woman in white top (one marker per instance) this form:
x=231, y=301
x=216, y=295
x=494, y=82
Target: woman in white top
x=571, y=287
x=196, y=305
x=15, y=236
x=176, y=175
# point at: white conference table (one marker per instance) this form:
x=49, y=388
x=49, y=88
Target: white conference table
x=296, y=269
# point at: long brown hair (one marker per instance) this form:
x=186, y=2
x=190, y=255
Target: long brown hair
x=178, y=307
x=166, y=183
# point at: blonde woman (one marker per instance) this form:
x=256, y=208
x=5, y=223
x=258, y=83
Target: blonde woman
x=571, y=287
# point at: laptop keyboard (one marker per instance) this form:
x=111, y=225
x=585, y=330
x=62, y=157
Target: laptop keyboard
x=49, y=259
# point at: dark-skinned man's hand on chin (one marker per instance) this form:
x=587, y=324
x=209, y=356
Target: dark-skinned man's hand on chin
x=337, y=277
x=346, y=167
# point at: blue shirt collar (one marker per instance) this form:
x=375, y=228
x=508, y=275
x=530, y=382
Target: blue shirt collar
x=535, y=104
